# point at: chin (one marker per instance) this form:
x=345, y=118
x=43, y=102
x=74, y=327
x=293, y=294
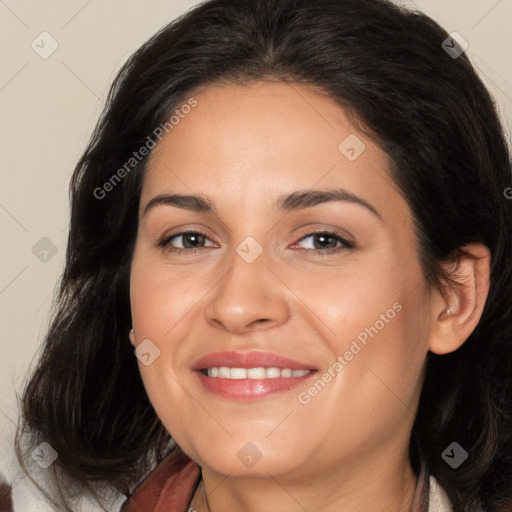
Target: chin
x=246, y=460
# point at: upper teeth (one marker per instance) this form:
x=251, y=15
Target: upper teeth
x=254, y=373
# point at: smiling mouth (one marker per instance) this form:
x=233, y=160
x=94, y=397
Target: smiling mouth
x=250, y=375
x=225, y=372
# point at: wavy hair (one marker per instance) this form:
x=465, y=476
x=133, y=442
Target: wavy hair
x=427, y=110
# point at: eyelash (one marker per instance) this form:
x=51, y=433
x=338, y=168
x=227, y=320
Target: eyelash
x=165, y=242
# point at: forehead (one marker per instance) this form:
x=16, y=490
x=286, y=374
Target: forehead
x=249, y=142
x=260, y=122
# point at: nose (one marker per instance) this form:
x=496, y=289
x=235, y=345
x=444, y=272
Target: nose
x=249, y=296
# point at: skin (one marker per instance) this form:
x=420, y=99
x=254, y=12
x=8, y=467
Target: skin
x=244, y=146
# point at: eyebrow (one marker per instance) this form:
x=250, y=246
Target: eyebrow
x=298, y=200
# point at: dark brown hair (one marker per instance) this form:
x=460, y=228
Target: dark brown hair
x=435, y=119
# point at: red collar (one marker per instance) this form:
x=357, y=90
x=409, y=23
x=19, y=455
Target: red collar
x=170, y=486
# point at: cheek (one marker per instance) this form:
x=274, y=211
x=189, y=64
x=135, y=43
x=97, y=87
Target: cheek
x=377, y=323
x=358, y=300
x=160, y=297
x=159, y=306
x=387, y=353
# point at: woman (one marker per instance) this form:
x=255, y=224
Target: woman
x=341, y=336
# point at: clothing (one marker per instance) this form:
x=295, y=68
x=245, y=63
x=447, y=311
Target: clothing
x=170, y=487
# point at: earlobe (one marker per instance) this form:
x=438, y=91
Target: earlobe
x=456, y=315
x=131, y=335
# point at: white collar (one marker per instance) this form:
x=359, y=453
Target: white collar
x=438, y=501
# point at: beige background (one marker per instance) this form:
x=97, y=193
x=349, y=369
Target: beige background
x=49, y=108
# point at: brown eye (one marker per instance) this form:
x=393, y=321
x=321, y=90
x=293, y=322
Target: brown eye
x=190, y=241
x=325, y=242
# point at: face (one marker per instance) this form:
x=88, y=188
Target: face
x=328, y=286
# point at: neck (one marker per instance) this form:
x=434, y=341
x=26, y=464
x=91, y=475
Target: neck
x=379, y=486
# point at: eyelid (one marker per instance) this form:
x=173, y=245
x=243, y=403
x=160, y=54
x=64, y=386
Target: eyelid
x=328, y=230
x=183, y=229
x=165, y=240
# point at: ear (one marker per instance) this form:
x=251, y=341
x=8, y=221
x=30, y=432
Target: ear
x=131, y=335
x=465, y=300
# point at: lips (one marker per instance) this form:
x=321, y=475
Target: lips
x=212, y=370
x=251, y=359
